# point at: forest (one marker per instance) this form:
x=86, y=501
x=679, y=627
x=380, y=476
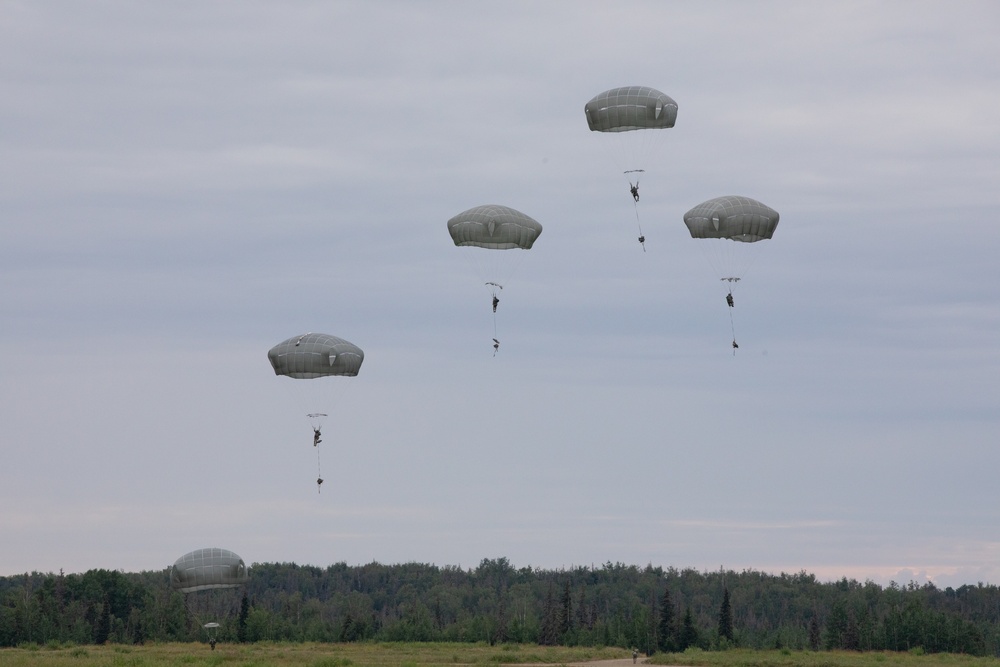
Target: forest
x=649, y=608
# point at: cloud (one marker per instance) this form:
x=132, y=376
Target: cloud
x=186, y=186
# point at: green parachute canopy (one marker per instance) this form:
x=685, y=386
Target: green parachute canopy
x=315, y=355
x=322, y=360
x=630, y=108
x=494, y=227
x=492, y=231
x=732, y=217
x=728, y=229
x=631, y=120
x=205, y=569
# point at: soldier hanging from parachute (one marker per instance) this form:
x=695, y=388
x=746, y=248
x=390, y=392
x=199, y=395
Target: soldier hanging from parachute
x=212, y=569
x=320, y=359
x=728, y=229
x=317, y=438
x=632, y=119
x=493, y=230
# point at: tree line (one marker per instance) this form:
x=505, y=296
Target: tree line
x=651, y=608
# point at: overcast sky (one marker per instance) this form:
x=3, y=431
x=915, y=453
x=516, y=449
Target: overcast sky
x=185, y=184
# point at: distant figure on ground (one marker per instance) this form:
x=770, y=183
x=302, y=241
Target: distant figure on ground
x=635, y=655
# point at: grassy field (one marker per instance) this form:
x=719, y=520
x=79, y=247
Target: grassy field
x=421, y=654
x=301, y=655
x=786, y=658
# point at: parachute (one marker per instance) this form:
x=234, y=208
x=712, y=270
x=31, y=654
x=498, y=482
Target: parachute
x=492, y=230
x=209, y=570
x=735, y=219
x=319, y=358
x=494, y=227
x=212, y=628
x=630, y=108
x=729, y=229
x=205, y=569
x=315, y=355
x=632, y=119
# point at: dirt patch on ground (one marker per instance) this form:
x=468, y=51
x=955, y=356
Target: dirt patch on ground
x=619, y=662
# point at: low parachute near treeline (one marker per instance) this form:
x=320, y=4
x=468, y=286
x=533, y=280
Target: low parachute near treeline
x=205, y=569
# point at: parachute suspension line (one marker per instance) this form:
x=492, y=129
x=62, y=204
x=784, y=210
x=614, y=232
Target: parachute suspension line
x=642, y=237
x=317, y=438
x=319, y=473
x=732, y=327
x=496, y=302
x=634, y=190
x=496, y=341
x=729, y=302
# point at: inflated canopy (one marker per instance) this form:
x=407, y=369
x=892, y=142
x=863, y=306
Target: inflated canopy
x=314, y=355
x=204, y=569
x=630, y=108
x=495, y=227
x=732, y=217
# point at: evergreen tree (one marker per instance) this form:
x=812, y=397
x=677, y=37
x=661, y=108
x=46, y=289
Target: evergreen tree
x=814, y=633
x=566, y=613
x=836, y=626
x=666, y=635
x=726, y=616
x=582, y=618
x=852, y=635
x=501, y=634
x=102, y=632
x=175, y=617
x=138, y=628
x=241, y=624
x=652, y=624
x=348, y=629
x=689, y=633
x=549, y=635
